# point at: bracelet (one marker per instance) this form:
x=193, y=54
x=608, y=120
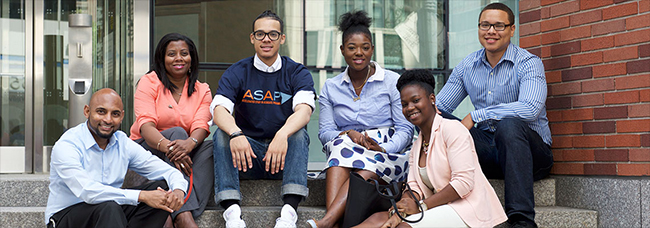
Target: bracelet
x=382, y=149
x=424, y=205
x=236, y=134
x=196, y=142
x=158, y=146
x=345, y=132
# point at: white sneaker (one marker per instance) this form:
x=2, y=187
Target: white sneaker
x=288, y=217
x=232, y=215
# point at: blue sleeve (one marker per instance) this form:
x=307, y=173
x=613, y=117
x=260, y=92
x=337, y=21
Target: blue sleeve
x=151, y=167
x=302, y=79
x=403, y=129
x=230, y=83
x=327, y=128
x=531, y=98
x=453, y=92
x=67, y=163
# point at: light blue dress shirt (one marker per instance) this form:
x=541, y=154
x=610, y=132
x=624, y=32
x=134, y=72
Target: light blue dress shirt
x=379, y=106
x=80, y=171
x=515, y=87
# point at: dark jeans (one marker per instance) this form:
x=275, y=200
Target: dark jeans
x=110, y=214
x=519, y=156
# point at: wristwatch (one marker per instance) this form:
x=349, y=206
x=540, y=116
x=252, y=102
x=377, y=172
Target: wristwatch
x=196, y=142
x=424, y=205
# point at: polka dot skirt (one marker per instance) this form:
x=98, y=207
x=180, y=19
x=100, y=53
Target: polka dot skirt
x=343, y=152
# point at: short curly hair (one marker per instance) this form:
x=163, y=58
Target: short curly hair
x=421, y=77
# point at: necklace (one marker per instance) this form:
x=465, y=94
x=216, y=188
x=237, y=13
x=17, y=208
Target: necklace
x=361, y=86
x=425, y=147
x=364, y=81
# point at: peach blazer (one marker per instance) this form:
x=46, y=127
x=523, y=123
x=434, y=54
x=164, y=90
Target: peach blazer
x=153, y=103
x=452, y=160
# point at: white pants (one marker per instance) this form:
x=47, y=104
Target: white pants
x=440, y=216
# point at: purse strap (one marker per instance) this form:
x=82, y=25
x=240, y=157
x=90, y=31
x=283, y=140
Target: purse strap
x=393, y=197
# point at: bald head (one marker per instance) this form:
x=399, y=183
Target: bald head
x=105, y=113
x=105, y=96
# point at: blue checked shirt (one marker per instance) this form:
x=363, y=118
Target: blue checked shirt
x=515, y=87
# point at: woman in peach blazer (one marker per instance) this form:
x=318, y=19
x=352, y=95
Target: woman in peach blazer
x=444, y=172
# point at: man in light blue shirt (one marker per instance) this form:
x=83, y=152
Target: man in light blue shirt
x=507, y=86
x=87, y=169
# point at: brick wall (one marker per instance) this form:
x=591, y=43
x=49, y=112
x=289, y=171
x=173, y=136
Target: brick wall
x=597, y=59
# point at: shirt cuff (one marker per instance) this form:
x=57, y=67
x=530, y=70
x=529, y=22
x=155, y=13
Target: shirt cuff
x=303, y=97
x=478, y=115
x=132, y=196
x=220, y=100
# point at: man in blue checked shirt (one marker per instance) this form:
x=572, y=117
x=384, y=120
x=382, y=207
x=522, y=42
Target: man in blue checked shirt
x=88, y=165
x=507, y=86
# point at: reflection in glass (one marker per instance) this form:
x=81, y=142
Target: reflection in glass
x=113, y=58
x=407, y=34
x=12, y=73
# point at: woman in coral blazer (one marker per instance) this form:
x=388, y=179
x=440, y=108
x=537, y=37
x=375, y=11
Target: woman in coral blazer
x=444, y=172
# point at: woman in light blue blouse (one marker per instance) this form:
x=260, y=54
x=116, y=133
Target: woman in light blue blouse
x=361, y=124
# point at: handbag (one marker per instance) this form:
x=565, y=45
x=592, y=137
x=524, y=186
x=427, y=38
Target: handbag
x=368, y=197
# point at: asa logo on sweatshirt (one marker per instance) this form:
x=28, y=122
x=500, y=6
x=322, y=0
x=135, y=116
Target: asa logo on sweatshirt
x=268, y=97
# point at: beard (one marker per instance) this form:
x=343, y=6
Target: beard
x=95, y=131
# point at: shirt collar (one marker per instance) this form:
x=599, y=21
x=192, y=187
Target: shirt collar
x=261, y=66
x=509, y=55
x=89, y=141
x=377, y=76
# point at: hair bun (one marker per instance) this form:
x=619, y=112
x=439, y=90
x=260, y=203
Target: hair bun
x=354, y=18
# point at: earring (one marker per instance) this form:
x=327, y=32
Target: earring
x=189, y=71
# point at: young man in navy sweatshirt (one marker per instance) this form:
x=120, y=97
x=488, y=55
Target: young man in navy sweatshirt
x=272, y=98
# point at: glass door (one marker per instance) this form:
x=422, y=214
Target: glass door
x=34, y=72
x=12, y=86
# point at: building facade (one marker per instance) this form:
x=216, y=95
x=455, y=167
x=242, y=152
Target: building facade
x=596, y=54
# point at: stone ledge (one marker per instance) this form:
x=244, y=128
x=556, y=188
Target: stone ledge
x=543, y=189
x=22, y=216
x=265, y=216
x=24, y=190
x=259, y=216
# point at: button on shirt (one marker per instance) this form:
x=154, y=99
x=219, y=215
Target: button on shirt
x=80, y=171
x=515, y=88
x=379, y=106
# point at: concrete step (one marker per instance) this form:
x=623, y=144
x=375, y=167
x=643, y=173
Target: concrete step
x=32, y=190
x=264, y=216
x=22, y=217
x=543, y=189
x=24, y=190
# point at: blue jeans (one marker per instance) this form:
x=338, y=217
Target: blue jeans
x=294, y=175
x=519, y=156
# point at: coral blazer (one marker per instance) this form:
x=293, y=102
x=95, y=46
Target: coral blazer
x=452, y=160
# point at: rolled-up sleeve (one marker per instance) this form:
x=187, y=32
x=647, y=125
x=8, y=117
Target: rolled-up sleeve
x=144, y=102
x=203, y=114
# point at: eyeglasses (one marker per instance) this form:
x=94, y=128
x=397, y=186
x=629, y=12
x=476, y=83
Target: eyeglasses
x=498, y=26
x=273, y=35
